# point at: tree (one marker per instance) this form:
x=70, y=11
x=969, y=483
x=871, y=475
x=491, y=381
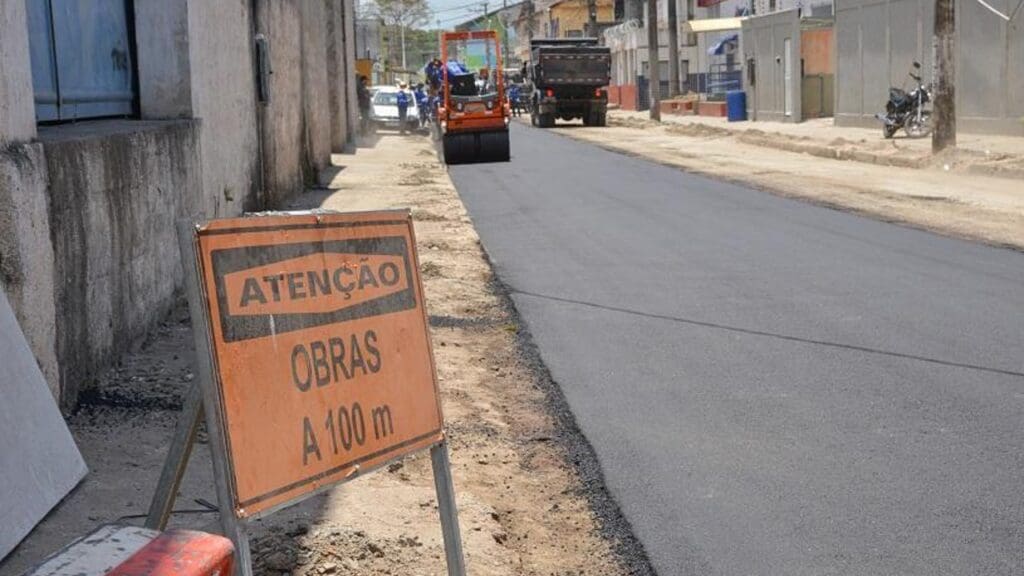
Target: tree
x=398, y=15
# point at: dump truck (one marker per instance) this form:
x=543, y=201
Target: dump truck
x=473, y=116
x=569, y=77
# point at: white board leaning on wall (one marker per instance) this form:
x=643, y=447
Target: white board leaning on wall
x=39, y=461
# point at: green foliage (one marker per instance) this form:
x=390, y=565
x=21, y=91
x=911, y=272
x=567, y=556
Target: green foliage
x=396, y=13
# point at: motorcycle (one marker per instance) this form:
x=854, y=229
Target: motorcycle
x=906, y=109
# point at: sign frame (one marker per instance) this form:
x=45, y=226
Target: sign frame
x=204, y=402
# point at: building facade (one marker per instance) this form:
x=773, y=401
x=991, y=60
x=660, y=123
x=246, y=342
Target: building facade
x=878, y=40
x=504, y=21
x=119, y=118
x=561, y=19
x=710, y=56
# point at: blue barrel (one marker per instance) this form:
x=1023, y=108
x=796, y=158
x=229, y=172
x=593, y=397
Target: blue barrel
x=736, y=105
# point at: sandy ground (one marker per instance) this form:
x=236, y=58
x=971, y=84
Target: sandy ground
x=994, y=154
x=528, y=488
x=951, y=201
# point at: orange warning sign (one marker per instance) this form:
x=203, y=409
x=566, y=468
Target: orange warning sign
x=322, y=359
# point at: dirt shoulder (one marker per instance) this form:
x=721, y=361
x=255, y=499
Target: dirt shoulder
x=983, y=154
x=528, y=487
x=948, y=201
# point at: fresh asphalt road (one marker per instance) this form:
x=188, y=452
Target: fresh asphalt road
x=771, y=387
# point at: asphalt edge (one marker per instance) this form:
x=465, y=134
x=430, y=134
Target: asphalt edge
x=578, y=452
x=800, y=198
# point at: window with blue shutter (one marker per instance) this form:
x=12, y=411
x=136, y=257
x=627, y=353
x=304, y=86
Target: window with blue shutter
x=82, y=61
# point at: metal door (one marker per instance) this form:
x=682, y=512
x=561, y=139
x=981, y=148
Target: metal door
x=81, y=58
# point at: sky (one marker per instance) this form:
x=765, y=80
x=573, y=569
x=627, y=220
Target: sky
x=452, y=12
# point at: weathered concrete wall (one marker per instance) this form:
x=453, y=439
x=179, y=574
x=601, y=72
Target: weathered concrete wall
x=336, y=73
x=116, y=189
x=281, y=120
x=164, y=67
x=877, y=40
x=351, y=102
x=17, y=112
x=26, y=254
x=763, y=40
x=224, y=99
x=87, y=242
x=296, y=124
x=315, y=91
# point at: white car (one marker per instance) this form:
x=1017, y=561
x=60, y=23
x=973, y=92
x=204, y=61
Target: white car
x=385, y=108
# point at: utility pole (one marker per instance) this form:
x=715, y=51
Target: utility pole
x=503, y=20
x=944, y=115
x=402, y=29
x=439, y=37
x=653, y=78
x=673, y=49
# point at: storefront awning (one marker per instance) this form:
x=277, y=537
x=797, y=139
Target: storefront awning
x=719, y=48
x=712, y=25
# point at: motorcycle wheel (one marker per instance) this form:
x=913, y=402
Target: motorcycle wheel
x=916, y=129
x=888, y=130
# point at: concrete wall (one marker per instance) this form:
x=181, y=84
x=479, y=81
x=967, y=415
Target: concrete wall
x=116, y=191
x=763, y=41
x=316, y=111
x=870, y=59
x=17, y=114
x=337, y=74
x=281, y=127
x=876, y=41
x=990, y=69
x=351, y=101
x=164, y=65
x=26, y=254
x=223, y=92
x=88, y=253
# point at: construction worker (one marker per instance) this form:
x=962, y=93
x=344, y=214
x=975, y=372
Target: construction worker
x=513, y=99
x=402, y=99
x=363, y=96
x=422, y=104
x=434, y=73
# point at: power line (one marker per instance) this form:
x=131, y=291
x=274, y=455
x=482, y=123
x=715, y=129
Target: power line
x=475, y=5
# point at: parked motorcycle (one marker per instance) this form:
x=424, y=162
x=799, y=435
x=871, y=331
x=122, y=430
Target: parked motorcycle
x=906, y=109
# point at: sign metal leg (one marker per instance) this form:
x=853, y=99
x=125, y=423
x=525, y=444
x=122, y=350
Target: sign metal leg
x=447, y=509
x=177, y=460
x=232, y=526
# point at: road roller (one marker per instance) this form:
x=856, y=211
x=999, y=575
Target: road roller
x=473, y=116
